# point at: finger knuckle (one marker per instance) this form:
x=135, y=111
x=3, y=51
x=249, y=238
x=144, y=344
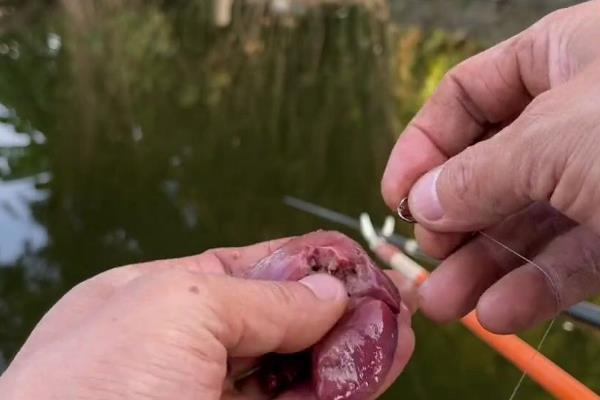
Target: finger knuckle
x=194, y=302
x=280, y=294
x=453, y=75
x=532, y=179
x=461, y=174
x=536, y=161
x=524, y=46
x=556, y=17
x=169, y=279
x=454, y=80
x=573, y=191
x=177, y=285
x=556, y=289
x=590, y=257
x=542, y=106
x=103, y=284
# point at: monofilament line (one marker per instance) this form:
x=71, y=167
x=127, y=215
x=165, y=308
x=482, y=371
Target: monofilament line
x=556, y=295
x=539, y=347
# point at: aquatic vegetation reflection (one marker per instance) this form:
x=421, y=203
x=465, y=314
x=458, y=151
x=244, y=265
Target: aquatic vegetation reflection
x=163, y=132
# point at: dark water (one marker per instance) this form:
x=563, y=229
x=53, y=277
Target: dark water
x=131, y=133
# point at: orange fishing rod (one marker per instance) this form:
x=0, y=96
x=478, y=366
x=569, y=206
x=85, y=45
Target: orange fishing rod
x=539, y=368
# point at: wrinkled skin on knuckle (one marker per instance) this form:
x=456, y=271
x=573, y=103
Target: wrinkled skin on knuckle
x=542, y=108
x=535, y=153
x=288, y=299
x=565, y=34
x=590, y=258
x=574, y=267
x=572, y=29
x=459, y=179
x=458, y=81
x=352, y=360
x=576, y=193
x=530, y=48
x=537, y=180
x=558, y=47
x=279, y=294
x=560, y=131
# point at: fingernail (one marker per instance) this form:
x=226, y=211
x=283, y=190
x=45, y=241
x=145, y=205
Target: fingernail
x=424, y=200
x=325, y=287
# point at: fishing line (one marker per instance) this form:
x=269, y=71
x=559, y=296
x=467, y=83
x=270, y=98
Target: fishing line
x=548, y=277
x=405, y=214
x=538, y=348
x=556, y=296
x=544, y=371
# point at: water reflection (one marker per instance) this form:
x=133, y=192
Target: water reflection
x=167, y=134
x=26, y=235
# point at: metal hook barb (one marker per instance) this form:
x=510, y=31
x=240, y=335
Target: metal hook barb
x=404, y=211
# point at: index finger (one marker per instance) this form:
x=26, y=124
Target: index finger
x=474, y=97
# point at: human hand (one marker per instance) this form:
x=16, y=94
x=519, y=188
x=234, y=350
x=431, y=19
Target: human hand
x=509, y=144
x=185, y=329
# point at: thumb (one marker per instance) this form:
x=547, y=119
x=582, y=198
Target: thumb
x=493, y=179
x=472, y=190
x=258, y=317
x=550, y=159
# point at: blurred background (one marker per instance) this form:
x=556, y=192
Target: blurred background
x=143, y=129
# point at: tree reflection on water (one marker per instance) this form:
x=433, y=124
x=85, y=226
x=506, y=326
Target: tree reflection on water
x=165, y=134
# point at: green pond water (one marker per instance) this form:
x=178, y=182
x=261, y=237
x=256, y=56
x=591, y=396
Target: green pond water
x=133, y=131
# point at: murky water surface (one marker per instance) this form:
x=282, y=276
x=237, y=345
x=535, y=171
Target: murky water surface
x=133, y=131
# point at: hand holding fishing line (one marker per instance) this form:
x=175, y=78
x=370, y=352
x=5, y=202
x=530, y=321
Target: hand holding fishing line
x=510, y=144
